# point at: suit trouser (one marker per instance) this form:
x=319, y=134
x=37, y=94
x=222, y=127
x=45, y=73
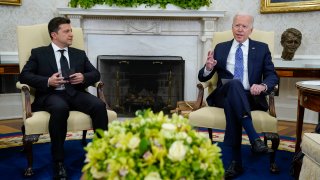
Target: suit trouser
x=237, y=103
x=59, y=104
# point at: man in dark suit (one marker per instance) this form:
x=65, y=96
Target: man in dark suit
x=245, y=74
x=60, y=74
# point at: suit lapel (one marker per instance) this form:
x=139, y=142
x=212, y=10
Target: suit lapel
x=225, y=53
x=52, y=59
x=251, y=57
x=71, y=57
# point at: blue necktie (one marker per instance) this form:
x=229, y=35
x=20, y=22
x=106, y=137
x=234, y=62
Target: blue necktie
x=238, y=67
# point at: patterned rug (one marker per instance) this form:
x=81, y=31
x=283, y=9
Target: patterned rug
x=15, y=139
x=286, y=143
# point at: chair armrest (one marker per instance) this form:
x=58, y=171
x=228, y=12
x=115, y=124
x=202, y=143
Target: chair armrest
x=272, y=109
x=25, y=89
x=99, y=85
x=201, y=87
x=21, y=86
x=205, y=84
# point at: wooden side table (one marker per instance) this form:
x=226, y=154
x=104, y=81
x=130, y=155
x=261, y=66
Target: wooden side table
x=8, y=77
x=296, y=72
x=308, y=97
x=9, y=68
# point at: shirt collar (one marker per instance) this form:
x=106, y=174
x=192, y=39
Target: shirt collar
x=56, y=48
x=235, y=43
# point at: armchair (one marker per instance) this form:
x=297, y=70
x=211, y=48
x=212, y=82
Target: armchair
x=36, y=123
x=214, y=117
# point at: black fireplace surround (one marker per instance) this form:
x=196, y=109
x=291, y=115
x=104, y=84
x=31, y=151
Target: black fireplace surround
x=140, y=82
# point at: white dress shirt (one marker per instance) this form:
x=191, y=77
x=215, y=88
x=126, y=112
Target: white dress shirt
x=57, y=55
x=231, y=62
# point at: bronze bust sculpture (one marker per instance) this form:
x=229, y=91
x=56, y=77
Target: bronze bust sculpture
x=290, y=40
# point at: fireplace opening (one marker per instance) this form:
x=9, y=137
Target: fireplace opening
x=140, y=82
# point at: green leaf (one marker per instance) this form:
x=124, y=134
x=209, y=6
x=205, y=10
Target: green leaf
x=184, y=4
x=144, y=145
x=196, y=166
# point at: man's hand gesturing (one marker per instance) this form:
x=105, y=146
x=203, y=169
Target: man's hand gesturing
x=210, y=63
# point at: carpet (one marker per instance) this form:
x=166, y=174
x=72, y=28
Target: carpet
x=286, y=143
x=14, y=139
x=13, y=161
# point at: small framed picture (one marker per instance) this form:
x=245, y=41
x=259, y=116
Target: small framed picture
x=284, y=6
x=10, y=2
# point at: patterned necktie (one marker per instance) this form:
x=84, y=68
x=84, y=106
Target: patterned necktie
x=65, y=71
x=238, y=67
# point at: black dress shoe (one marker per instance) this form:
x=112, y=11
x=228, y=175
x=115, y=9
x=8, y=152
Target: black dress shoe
x=59, y=171
x=234, y=170
x=259, y=147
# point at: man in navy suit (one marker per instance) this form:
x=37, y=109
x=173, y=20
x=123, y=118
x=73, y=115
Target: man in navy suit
x=245, y=75
x=57, y=94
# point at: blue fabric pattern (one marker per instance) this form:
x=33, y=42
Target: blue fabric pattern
x=238, y=67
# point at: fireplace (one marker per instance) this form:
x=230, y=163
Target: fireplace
x=129, y=31
x=140, y=82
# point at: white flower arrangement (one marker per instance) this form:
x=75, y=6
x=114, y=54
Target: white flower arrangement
x=152, y=146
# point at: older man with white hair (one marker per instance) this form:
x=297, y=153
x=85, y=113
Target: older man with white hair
x=245, y=74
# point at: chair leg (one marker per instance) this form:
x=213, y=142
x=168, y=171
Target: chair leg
x=23, y=130
x=28, y=140
x=275, y=140
x=84, y=138
x=210, y=134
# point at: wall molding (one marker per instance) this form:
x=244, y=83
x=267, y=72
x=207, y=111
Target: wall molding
x=9, y=57
x=298, y=61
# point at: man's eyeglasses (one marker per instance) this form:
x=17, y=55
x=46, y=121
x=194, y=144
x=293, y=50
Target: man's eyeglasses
x=238, y=26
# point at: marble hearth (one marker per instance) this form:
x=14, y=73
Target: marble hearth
x=185, y=33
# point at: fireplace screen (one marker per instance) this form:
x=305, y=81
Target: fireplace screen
x=140, y=82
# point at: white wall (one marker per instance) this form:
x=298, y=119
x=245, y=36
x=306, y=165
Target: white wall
x=41, y=11
x=306, y=22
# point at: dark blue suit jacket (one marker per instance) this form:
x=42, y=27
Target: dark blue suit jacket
x=42, y=64
x=260, y=69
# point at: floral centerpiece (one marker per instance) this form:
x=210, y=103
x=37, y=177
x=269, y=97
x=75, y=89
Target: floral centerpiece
x=152, y=146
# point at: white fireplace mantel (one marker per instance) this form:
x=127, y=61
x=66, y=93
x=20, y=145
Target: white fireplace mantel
x=208, y=17
x=134, y=12
x=152, y=32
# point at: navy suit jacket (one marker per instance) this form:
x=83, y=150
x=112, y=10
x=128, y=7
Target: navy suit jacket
x=42, y=64
x=260, y=69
